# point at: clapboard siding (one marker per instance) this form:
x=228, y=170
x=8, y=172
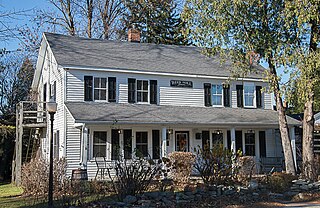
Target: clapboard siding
x=72, y=145
x=167, y=95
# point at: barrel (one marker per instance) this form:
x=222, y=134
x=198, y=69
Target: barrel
x=79, y=174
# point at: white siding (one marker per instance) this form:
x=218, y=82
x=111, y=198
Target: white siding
x=72, y=145
x=268, y=100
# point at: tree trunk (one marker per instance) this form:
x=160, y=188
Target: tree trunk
x=308, y=159
x=89, y=17
x=283, y=125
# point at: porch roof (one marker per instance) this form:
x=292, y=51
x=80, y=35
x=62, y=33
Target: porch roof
x=111, y=113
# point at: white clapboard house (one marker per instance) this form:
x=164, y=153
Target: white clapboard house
x=117, y=96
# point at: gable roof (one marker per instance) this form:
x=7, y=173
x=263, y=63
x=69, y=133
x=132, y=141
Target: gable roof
x=93, y=53
x=108, y=113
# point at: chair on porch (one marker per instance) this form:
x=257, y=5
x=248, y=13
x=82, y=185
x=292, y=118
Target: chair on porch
x=101, y=165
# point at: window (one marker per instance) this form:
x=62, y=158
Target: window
x=153, y=91
x=142, y=144
x=56, y=144
x=239, y=141
x=112, y=89
x=207, y=94
x=250, y=144
x=239, y=96
x=53, y=91
x=156, y=144
x=131, y=90
x=88, y=88
x=248, y=95
x=258, y=96
x=100, y=88
x=182, y=141
x=99, y=143
x=217, y=95
x=142, y=91
x=226, y=95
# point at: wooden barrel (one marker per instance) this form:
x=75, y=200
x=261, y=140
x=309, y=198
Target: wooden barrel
x=79, y=174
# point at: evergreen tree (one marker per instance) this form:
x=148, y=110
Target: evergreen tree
x=158, y=21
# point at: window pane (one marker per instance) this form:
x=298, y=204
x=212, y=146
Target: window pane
x=96, y=82
x=139, y=83
x=103, y=82
x=96, y=94
x=145, y=97
x=99, y=137
x=139, y=94
x=145, y=85
x=103, y=94
x=99, y=150
x=219, y=89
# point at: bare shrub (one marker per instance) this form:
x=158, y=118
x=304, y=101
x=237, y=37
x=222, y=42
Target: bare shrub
x=280, y=182
x=35, y=176
x=247, y=167
x=181, y=166
x=134, y=176
x=217, y=165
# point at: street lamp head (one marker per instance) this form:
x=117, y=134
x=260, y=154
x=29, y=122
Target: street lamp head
x=52, y=106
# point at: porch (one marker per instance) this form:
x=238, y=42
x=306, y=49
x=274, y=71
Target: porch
x=121, y=130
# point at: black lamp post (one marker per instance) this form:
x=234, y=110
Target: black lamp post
x=52, y=109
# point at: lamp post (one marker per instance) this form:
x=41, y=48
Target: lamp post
x=52, y=109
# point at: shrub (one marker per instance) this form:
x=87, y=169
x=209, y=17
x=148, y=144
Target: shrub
x=134, y=176
x=217, y=165
x=280, y=182
x=181, y=166
x=35, y=176
x=247, y=167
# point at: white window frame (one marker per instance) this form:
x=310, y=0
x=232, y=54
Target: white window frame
x=249, y=84
x=142, y=91
x=215, y=94
x=92, y=143
x=135, y=141
x=100, y=88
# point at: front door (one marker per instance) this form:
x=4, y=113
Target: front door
x=182, y=141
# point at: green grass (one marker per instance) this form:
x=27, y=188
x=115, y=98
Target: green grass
x=9, y=190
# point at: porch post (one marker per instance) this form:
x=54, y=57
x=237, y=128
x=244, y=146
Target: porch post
x=233, y=140
x=164, y=142
x=293, y=145
x=85, y=147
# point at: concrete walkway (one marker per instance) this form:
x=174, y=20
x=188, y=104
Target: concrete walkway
x=313, y=204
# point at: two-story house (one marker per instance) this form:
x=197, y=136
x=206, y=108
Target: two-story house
x=115, y=98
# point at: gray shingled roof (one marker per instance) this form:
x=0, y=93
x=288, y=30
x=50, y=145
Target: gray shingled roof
x=152, y=114
x=74, y=51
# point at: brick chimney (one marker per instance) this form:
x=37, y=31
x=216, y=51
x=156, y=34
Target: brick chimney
x=134, y=35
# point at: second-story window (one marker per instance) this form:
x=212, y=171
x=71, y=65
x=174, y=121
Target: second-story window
x=142, y=91
x=217, y=95
x=248, y=95
x=100, y=88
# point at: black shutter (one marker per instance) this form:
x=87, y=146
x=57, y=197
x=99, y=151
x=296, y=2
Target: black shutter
x=207, y=94
x=88, y=88
x=115, y=145
x=239, y=95
x=131, y=90
x=239, y=141
x=155, y=144
x=258, y=96
x=226, y=95
x=229, y=140
x=127, y=143
x=205, y=140
x=262, y=144
x=112, y=89
x=153, y=91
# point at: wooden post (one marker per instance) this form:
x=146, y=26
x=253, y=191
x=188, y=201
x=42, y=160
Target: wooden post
x=164, y=142
x=233, y=140
x=19, y=134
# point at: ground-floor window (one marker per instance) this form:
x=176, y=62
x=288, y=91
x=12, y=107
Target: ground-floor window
x=99, y=143
x=142, y=144
x=217, y=139
x=182, y=141
x=250, y=144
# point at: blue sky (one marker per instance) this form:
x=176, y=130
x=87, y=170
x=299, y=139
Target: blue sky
x=19, y=5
